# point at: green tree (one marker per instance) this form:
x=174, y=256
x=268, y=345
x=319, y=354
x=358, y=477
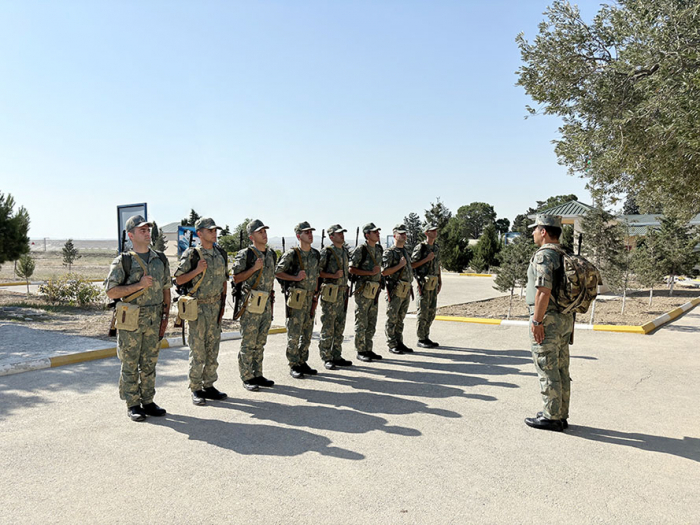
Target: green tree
x=237, y=240
x=502, y=225
x=158, y=241
x=567, y=238
x=677, y=241
x=439, y=215
x=646, y=262
x=626, y=85
x=486, y=250
x=455, y=252
x=191, y=219
x=25, y=268
x=225, y=231
x=14, y=230
x=514, y=260
x=474, y=218
x=414, y=234
x=70, y=254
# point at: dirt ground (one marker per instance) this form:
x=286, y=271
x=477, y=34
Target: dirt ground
x=88, y=322
x=607, y=311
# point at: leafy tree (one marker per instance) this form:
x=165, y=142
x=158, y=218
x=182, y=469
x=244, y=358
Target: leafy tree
x=646, y=262
x=70, y=254
x=521, y=221
x=626, y=86
x=25, y=268
x=225, y=231
x=677, y=241
x=191, y=219
x=439, y=215
x=455, y=251
x=158, y=241
x=502, y=225
x=415, y=233
x=14, y=230
x=474, y=218
x=567, y=238
x=514, y=260
x=236, y=241
x=486, y=250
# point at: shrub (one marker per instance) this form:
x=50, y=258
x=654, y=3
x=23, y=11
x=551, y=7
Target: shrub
x=70, y=289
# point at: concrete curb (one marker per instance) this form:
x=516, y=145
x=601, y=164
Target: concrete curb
x=102, y=353
x=476, y=275
x=628, y=329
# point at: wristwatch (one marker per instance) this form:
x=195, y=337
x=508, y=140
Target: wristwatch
x=536, y=323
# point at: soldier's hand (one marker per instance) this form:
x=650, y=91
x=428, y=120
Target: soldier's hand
x=146, y=281
x=430, y=256
x=201, y=266
x=376, y=270
x=258, y=264
x=402, y=262
x=301, y=275
x=338, y=274
x=537, y=333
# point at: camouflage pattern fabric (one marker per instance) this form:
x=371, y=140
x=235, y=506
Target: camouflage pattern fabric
x=333, y=315
x=396, y=306
x=289, y=263
x=426, y=302
x=138, y=350
x=254, y=327
x=205, y=332
x=365, y=309
x=300, y=326
x=551, y=359
x=541, y=273
x=368, y=263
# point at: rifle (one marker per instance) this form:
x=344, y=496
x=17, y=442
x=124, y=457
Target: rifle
x=357, y=236
x=222, y=308
x=179, y=323
x=112, y=304
x=272, y=305
x=323, y=237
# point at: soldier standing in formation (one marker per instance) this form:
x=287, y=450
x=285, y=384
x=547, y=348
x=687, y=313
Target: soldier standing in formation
x=254, y=271
x=550, y=330
x=334, y=298
x=364, y=264
x=426, y=263
x=299, y=267
x=399, y=278
x=145, y=282
x=206, y=268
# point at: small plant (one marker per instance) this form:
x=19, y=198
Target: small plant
x=25, y=268
x=70, y=254
x=73, y=290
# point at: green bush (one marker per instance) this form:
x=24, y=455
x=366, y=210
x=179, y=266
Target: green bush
x=70, y=289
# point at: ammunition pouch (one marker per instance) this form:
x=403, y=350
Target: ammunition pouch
x=257, y=301
x=127, y=316
x=431, y=283
x=371, y=289
x=329, y=292
x=401, y=289
x=296, y=298
x=187, y=308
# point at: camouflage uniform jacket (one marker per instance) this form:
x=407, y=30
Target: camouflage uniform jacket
x=366, y=261
x=420, y=252
x=215, y=276
x=267, y=279
x=391, y=257
x=542, y=272
x=289, y=263
x=160, y=272
x=330, y=257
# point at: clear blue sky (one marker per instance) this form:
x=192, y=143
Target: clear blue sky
x=326, y=111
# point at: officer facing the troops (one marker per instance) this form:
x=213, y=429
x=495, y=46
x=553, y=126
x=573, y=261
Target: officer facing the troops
x=550, y=330
x=365, y=266
x=254, y=275
x=205, y=268
x=334, y=298
x=299, y=268
x=426, y=264
x=140, y=279
x=399, y=276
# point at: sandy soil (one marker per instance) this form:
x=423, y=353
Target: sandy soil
x=607, y=311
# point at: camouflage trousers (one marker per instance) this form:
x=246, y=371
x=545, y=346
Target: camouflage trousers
x=396, y=309
x=551, y=359
x=300, y=326
x=204, y=338
x=427, y=306
x=365, y=322
x=138, y=353
x=332, y=327
x=254, y=329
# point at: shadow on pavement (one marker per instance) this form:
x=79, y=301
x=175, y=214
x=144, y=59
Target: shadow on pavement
x=688, y=447
x=266, y=440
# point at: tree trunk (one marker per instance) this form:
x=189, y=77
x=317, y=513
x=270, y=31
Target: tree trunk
x=672, y=278
x=510, y=304
x=27, y=287
x=651, y=295
x=624, y=298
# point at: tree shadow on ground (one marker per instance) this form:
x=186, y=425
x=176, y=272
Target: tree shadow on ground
x=688, y=447
x=263, y=440
x=318, y=417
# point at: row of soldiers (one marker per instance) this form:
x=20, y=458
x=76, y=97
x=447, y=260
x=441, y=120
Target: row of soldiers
x=307, y=275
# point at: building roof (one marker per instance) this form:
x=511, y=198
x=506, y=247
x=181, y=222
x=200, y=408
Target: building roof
x=171, y=227
x=568, y=210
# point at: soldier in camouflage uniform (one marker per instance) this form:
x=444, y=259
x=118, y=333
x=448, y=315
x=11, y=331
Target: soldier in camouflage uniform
x=300, y=268
x=138, y=350
x=550, y=330
x=258, y=276
x=365, y=267
x=210, y=276
x=334, y=272
x=398, y=274
x=425, y=260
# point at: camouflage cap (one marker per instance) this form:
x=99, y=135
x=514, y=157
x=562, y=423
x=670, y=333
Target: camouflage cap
x=302, y=227
x=135, y=222
x=400, y=228
x=430, y=227
x=547, y=220
x=335, y=229
x=254, y=226
x=370, y=227
x=206, y=223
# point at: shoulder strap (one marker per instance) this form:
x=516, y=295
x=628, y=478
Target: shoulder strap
x=135, y=295
x=371, y=256
x=223, y=253
x=199, y=283
x=301, y=263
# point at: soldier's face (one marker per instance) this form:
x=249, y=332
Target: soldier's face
x=431, y=235
x=400, y=238
x=537, y=235
x=307, y=236
x=373, y=236
x=337, y=237
x=207, y=235
x=142, y=234
x=259, y=237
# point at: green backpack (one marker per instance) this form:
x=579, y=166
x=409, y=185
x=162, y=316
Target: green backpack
x=578, y=284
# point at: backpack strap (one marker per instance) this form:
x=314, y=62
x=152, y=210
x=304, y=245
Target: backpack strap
x=135, y=295
x=199, y=283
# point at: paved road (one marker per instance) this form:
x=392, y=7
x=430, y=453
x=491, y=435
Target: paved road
x=436, y=437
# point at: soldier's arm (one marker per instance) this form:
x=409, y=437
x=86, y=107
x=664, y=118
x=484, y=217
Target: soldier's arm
x=393, y=269
x=244, y=275
x=187, y=277
x=166, y=300
x=127, y=289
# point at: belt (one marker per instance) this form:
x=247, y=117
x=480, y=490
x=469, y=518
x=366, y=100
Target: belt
x=209, y=300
